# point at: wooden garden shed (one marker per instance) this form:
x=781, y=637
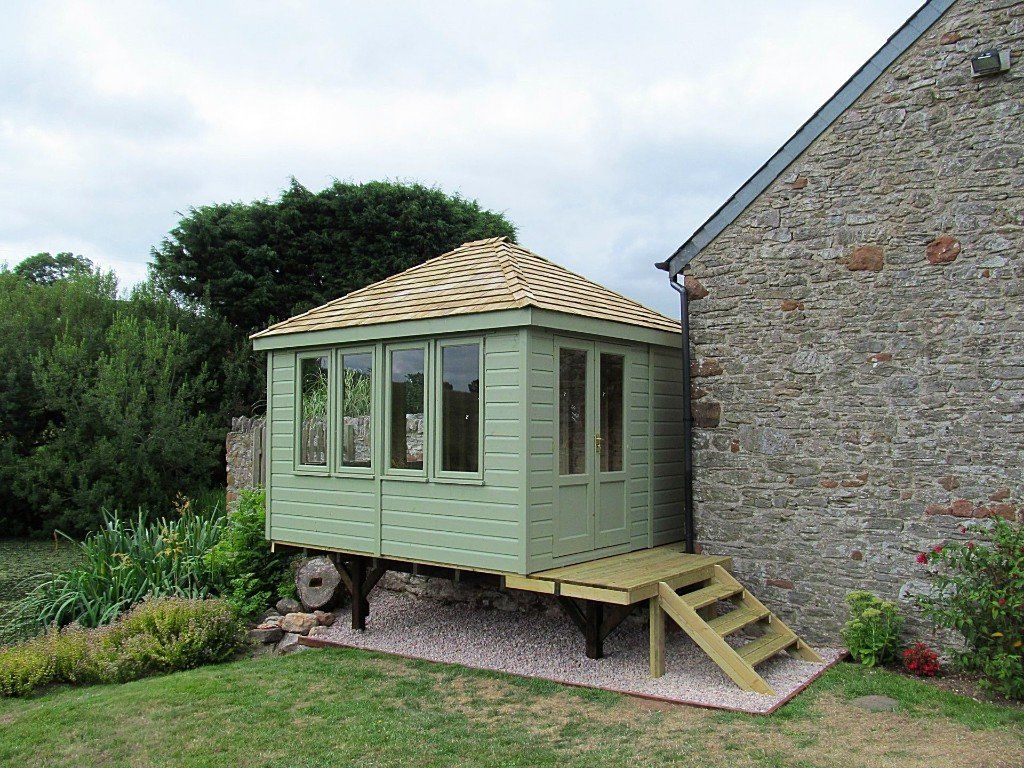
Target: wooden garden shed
x=489, y=411
x=486, y=409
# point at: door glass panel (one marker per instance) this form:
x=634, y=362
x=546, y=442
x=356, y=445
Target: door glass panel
x=356, y=393
x=572, y=411
x=313, y=399
x=407, y=413
x=612, y=375
x=460, y=407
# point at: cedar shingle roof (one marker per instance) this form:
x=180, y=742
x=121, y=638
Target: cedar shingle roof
x=481, y=276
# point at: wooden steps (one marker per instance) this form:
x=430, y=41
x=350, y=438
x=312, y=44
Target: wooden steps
x=706, y=596
x=709, y=635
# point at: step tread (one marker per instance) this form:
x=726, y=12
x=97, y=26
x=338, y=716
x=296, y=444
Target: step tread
x=765, y=647
x=737, y=619
x=706, y=596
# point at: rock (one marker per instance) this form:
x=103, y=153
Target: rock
x=270, y=613
x=943, y=250
x=317, y=582
x=319, y=632
x=875, y=703
x=266, y=634
x=707, y=415
x=288, y=605
x=867, y=258
x=324, y=618
x=289, y=643
x=695, y=290
x=298, y=623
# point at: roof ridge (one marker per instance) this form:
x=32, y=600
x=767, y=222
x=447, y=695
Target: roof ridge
x=521, y=290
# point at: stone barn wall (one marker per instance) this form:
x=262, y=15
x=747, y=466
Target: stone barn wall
x=860, y=353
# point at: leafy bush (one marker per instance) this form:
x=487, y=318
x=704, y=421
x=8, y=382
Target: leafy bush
x=121, y=564
x=979, y=592
x=873, y=632
x=157, y=636
x=921, y=660
x=248, y=574
x=25, y=667
x=166, y=635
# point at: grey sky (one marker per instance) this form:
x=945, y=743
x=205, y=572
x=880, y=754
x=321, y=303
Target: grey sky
x=606, y=131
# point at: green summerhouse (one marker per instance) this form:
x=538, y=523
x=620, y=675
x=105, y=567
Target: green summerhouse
x=486, y=410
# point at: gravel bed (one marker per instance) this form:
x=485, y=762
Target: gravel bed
x=547, y=645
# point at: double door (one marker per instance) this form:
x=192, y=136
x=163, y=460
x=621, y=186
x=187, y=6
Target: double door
x=590, y=447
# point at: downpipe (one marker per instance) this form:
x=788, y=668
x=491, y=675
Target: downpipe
x=689, y=524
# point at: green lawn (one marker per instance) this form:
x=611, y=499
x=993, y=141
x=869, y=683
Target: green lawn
x=346, y=707
x=20, y=559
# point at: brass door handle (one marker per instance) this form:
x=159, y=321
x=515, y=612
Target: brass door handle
x=597, y=439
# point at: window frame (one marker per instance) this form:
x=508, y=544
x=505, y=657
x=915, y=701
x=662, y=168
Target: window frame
x=338, y=467
x=439, y=473
x=299, y=468
x=396, y=473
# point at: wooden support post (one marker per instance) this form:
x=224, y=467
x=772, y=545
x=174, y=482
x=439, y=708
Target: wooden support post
x=657, y=622
x=360, y=605
x=593, y=613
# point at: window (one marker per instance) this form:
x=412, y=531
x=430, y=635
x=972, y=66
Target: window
x=313, y=400
x=460, y=407
x=612, y=369
x=572, y=411
x=407, y=418
x=356, y=420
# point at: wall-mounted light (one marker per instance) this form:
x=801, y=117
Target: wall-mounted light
x=990, y=63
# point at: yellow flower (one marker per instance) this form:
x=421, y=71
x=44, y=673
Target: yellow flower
x=1018, y=644
x=997, y=634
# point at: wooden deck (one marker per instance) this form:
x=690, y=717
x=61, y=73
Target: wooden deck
x=622, y=579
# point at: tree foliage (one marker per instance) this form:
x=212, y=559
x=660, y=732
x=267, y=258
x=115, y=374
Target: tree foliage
x=46, y=268
x=106, y=402
x=255, y=263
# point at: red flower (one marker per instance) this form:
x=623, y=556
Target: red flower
x=922, y=558
x=963, y=529
x=1002, y=601
x=921, y=660
x=970, y=545
x=937, y=548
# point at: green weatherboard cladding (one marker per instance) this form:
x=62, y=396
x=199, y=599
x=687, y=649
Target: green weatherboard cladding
x=513, y=515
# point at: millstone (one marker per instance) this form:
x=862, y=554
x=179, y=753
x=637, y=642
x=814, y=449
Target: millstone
x=317, y=583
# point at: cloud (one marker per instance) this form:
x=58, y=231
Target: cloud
x=607, y=132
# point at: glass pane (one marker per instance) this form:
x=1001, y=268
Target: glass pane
x=356, y=393
x=407, y=415
x=572, y=411
x=460, y=408
x=313, y=437
x=612, y=371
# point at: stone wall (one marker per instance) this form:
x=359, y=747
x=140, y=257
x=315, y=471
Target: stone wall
x=860, y=351
x=244, y=455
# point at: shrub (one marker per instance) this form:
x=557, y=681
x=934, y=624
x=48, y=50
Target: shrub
x=921, y=660
x=157, y=636
x=121, y=564
x=169, y=634
x=873, y=632
x=25, y=667
x=248, y=574
x=979, y=592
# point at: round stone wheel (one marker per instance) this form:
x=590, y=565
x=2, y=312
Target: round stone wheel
x=317, y=582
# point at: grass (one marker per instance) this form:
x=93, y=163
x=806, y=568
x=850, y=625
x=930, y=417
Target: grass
x=21, y=559
x=347, y=707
